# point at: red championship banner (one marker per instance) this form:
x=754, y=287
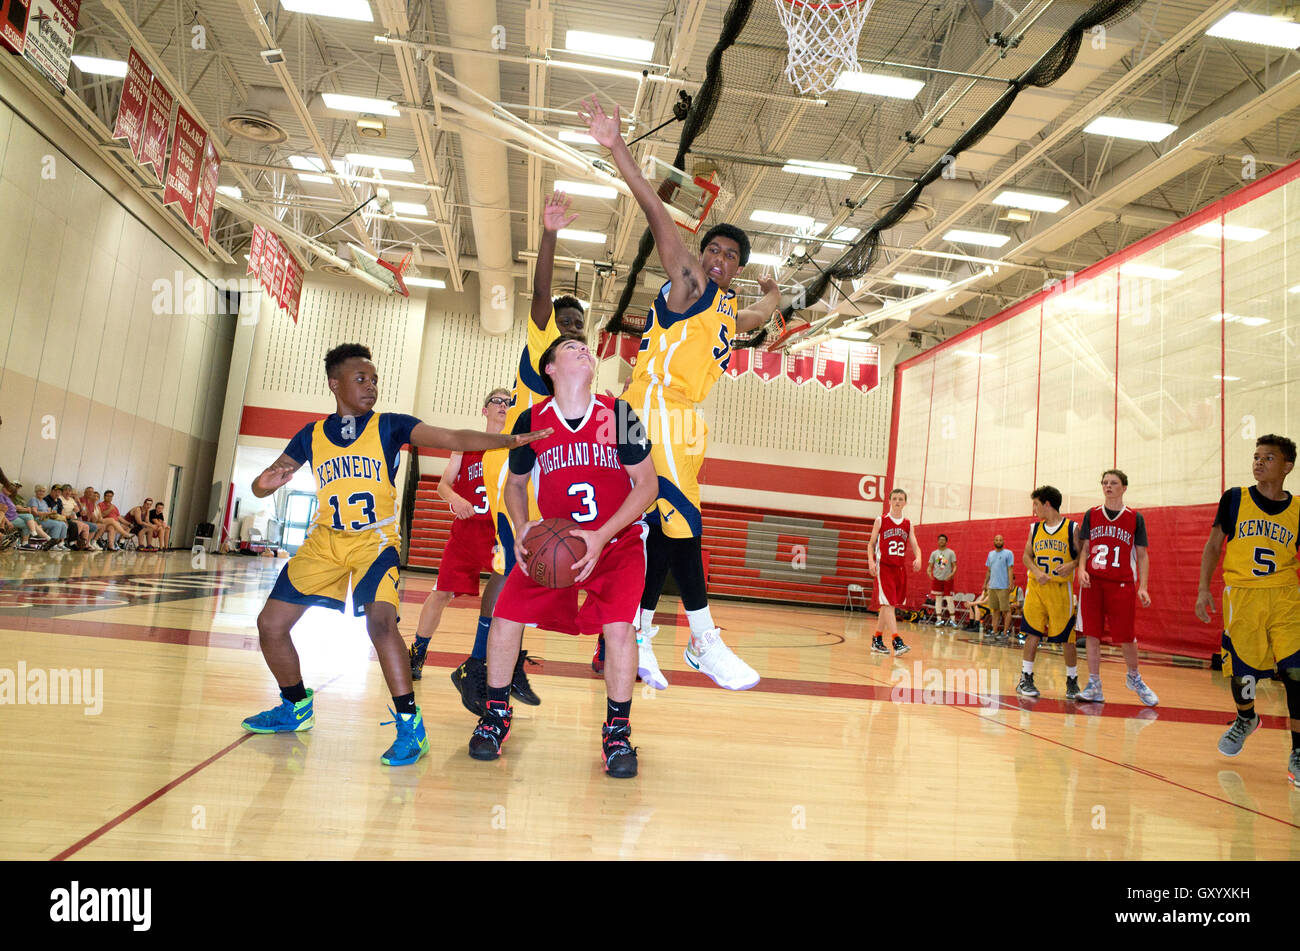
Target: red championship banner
x=255, y=251
x=292, y=288
x=739, y=361
x=832, y=363
x=277, y=276
x=13, y=23
x=864, y=366
x=207, y=190
x=270, y=255
x=767, y=365
x=606, y=346
x=185, y=164
x=629, y=345
x=157, y=119
x=51, y=25
x=801, y=367
x=134, y=103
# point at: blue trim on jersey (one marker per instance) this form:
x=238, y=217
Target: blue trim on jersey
x=674, y=496
x=1052, y=638
x=285, y=591
x=1233, y=496
x=527, y=375
x=665, y=318
x=507, y=538
x=299, y=448
x=1241, y=669
x=399, y=427
x=366, y=590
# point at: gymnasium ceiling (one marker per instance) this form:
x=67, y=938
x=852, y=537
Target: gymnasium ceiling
x=1228, y=99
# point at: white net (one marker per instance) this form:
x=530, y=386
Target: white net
x=823, y=41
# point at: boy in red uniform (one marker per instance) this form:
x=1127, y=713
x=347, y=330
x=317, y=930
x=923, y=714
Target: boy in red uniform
x=595, y=469
x=887, y=562
x=1113, y=566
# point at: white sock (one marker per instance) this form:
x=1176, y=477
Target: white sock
x=1072, y=671
x=700, y=621
x=1027, y=666
x=647, y=620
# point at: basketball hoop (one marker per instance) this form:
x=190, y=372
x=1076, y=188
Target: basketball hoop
x=823, y=41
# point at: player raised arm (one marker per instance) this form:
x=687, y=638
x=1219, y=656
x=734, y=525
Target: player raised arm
x=645, y=487
x=276, y=475
x=469, y=440
x=555, y=215
x=1209, y=561
x=755, y=316
x=683, y=267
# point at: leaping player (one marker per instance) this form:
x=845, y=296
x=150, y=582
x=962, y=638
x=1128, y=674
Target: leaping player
x=354, y=541
x=891, y=535
x=685, y=348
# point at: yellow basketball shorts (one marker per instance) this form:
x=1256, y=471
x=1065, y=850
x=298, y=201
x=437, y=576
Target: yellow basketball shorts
x=1261, y=630
x=1049, y=613
x=495, y=471
x=678, y=440
x=321, y=571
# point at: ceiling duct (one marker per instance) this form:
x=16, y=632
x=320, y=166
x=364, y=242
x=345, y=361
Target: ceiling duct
x=252, y=121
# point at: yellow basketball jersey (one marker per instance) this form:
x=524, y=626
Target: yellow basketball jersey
x=355, y=491
x=682, y=355
x=1052, y=550
x=1261, y=550
x=529, y=390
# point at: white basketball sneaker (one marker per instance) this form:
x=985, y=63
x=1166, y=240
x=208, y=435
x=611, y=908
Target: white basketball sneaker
x=647, y=666
x=706, y=653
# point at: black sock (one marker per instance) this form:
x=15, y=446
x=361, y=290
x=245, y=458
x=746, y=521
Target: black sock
x=1292, y=685
x=294, y=694
x=617, y=710
x=499, y=694
x=405, y=703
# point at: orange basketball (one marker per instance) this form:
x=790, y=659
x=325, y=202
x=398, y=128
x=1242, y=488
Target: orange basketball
x=552, y=552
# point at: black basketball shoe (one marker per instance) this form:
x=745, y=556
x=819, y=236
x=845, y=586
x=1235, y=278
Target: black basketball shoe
x=878, y=645
x=899, y=646
x=616, y=749
x=490, y=735
x=1071, y=688
x=419, y=647
x=470, y=681
x=519, y=685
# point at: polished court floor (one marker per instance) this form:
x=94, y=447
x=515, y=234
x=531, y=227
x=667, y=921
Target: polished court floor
x=829, y=757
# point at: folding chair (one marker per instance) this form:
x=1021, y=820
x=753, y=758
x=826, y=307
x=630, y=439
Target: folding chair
x=850, y=592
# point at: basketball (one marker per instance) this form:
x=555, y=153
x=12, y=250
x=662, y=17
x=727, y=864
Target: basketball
x=552, y=552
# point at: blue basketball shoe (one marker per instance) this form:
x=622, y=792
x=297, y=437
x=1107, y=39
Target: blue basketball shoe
x=288, y=717
x=411, y=742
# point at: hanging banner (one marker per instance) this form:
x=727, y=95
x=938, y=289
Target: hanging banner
x=255, y=251
x=739, y=361
x=629, y=345
x=292, y=288
x=832, y=363
x=801, y=367
x=208, y=178
x=864, y=366
x=51, y=24
x=270, y=255
x=133, y=104
x=767, y=364
x=13, y=23
x=277, y=276
x=157, y=119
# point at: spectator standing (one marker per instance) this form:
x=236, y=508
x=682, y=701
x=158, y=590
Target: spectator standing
x=999, y=580
x=942, y=568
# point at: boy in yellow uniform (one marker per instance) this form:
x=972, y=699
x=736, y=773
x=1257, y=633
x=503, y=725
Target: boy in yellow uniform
x=1051, y=556
x=1261, y=601
x=354, y=541
x=685, y=348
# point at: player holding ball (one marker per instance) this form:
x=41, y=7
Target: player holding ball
x=594, y=469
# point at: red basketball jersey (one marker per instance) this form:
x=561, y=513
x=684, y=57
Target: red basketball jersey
x=469, y=485
x=1111, y=553
x=578, y=474
x=891, y=543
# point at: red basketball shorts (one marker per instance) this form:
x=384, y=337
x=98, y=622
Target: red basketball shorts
x=613, y=591
x=942, y=588
x=891, y=585
x=1112, y=603
x=467, y=555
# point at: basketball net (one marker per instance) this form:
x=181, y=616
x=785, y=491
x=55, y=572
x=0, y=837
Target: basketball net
x=823, y=41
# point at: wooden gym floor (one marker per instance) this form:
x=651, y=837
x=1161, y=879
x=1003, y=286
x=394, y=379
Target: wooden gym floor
x=823, y=760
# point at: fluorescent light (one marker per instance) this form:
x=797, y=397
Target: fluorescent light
x=231, y=191
x=1293, y=290
x=567, y=135
x=377, y=107
x=310, y=164
x=982, y=238
x=781, y=218
x=410, y=208
x=846, y=234
x=1238, y=319
x=343, y=9
x=1137, y=129
x=1030, y=202
x=586, y=188
x=874, y=84
x=380, y=161
x=604, y=44
x=821, y=169
x=424, y=282
x=572, y=234
x=1230, y=232
x=855, y=335
x=1149, y=270
x=921, y=280
x=1228, y=379
x=771, y=260
x=1256, y=28
x=101, y=67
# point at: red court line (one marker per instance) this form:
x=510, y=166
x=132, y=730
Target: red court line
x=112, y=823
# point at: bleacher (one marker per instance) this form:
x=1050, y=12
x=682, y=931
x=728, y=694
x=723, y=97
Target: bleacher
x=753, y=554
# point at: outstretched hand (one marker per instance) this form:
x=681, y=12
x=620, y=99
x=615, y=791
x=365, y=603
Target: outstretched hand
x=276, y=475
x=604, y=129
x=523, y=439
x=556, y=213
